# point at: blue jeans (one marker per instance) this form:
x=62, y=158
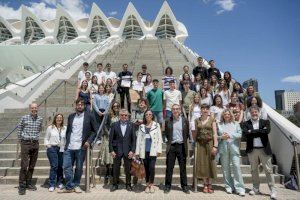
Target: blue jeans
x=56, y=161
x=70, y=158
x=168, y=113
x=158, y=116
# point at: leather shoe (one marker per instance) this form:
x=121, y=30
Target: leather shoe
x=167, y=190
x=22, y=190
x=186, y=190
x=114, y=188
x=128, y=188
x=31, y=187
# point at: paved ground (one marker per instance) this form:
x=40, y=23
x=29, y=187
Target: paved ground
x=10, y=192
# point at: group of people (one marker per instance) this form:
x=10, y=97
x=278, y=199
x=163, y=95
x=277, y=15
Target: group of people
x=209, y=110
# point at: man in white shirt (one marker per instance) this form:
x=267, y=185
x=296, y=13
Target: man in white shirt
x=100, y=74
x=80, y=134
x=258, y=149
x=171, y=97
x=110, y=74
x=81, y=74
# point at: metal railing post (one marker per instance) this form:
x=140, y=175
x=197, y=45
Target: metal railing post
x=45, y=114
x=195, y=179
x=295, y=144
x=87, y=170
x=65, y=92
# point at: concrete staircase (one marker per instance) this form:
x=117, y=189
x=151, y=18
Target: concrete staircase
x=133, y=52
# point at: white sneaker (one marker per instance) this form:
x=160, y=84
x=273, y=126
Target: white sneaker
x=61, y=186
x=51, y=189
x=242, y=194
x=77, y=189
x=273, y=194
x=254, y=192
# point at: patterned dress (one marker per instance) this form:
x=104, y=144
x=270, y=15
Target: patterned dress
x=206, y=165
x=106, y=157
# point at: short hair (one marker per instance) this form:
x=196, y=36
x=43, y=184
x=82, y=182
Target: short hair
x=199, y=58
x=123, y=110
x=255, y=107
x=209, y=62
x=33, y=104
x=172, y=81
x=79, y=100
x=175, y=104
x=87, y=72
x=143, y=100
x=125, y=64
x=185, y=66
x=144, y=66
x=155, y=80
x=99, y=64
x=108, y=65
x=85, y=64
x=205, y=106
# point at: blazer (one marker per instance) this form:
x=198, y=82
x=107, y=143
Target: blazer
x=120, y=144
x=169, y=133
x=262, y=132
x=156, y=145
x=89, y=129
x=233, y=146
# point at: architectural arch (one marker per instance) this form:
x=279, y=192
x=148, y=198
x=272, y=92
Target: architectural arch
x=165, y=28
x=66, y=31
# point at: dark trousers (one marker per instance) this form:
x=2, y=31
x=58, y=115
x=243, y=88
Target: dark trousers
x=29, y=155
x=149, y=163
x=125, y=91
x=176, y=151
x=70, y=158
x=116, y=169
x=56, y=161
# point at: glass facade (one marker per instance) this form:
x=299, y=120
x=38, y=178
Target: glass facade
x=132, y=29
x=165, y=28
x=99, y=31
x=66, y=31
x=5, y=34
x=33, y=31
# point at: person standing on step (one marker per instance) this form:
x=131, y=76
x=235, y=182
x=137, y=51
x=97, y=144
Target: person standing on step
x=124, y=84
x=100, y=74
x=81, y=132
x=54, y=141
x=29, y=130
x=171, y=97
x=149, y=147
x=177, y=133
x=81, y=74
x=122, y=140
x=258, y=148
x=110, y=75
x=200, y=69
x=213, y=70
x=229, y=134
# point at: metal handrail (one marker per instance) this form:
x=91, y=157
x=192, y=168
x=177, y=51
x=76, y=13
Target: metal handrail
x=44, y=101
x=51, y=66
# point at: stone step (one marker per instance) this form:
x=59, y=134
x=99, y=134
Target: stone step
x=159, y=179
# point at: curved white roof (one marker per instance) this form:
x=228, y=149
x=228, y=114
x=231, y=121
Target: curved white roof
x=82, y=28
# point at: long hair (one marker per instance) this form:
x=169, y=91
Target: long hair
x=194, y=104
x=231, y=115
x=54, y=120
x=144, y=118
x=215, y=100
x=112, y=113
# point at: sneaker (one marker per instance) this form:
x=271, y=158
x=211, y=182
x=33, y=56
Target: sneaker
x=51, y=189
x=61, y=186
x=147, y=190
x=229, y=191
x=31, y=187
x=254, y=192
x=152, y=189
x=273, y=194
x=242, y=194
x=22, y=190
x=65, y=191
x=77, y=189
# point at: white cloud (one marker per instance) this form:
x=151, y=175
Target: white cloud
x=225, y=5
x=46, y=9
x=9, y=12
x=113, y=13
x=291, y=79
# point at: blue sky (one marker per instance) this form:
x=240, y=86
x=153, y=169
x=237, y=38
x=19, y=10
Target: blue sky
x=254, y=38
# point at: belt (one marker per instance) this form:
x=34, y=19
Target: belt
x=177, y=143
x=29, y=141
x=258, y=147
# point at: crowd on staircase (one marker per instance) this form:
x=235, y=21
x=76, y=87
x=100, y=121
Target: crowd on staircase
x=201, y=108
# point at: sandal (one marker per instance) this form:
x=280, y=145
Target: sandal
x=210, y=189
x=205, y=189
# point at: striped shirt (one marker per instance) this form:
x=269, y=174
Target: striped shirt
x=29, y=127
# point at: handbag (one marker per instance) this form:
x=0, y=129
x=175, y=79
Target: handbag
x=137, y=168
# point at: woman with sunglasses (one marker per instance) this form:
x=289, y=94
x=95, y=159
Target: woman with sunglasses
x=149, y=147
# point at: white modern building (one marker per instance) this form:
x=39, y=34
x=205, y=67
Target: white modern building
x=64, y=29
x=289, y=99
